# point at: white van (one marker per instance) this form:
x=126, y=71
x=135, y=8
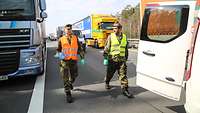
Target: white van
x=192, y=104
x=164, y=52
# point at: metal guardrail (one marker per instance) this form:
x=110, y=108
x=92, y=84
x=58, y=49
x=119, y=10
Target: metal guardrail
x=133, y=43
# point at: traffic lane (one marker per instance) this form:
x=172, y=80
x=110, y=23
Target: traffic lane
x=94, y=98
x=93, y=71
x=90, y=75
x=15, y=94
x=53, y=81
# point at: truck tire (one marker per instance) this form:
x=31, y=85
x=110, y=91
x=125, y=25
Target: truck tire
x=43, y=61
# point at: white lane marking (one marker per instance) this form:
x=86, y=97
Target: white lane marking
x=37, y=99
x=101, y=51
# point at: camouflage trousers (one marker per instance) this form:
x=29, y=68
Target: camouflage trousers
x=121, y=68
x=69, y=72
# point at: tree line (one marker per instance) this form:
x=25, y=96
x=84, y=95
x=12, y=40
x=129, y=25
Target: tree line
x=129, y=17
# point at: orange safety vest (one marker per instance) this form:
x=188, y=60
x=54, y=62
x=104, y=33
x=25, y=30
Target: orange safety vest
x=70, y=50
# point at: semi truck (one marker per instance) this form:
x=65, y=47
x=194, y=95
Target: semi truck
x=169, y=50
x=22, y=38
x=96, y=28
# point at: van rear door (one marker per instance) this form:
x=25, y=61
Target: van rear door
x=192, y=87
x=163, y=46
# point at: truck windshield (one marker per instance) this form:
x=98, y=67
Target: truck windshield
x=17, y=10
x=106, y=25
x=164, y=23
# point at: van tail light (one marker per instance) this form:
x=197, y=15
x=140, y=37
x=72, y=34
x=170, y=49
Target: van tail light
x=189, y=64
x=190, y=58
x=188, y=74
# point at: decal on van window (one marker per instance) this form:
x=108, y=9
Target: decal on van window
x=164, y=23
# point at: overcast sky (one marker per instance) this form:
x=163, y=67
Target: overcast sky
x=61, y=12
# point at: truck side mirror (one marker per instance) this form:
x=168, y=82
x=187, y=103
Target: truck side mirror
x=42, y=5
x=43, y=15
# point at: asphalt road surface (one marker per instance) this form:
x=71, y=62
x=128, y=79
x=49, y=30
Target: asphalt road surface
x=45, y=93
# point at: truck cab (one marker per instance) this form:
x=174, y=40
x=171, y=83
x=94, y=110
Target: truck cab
x=165, y=54
x=22, y=37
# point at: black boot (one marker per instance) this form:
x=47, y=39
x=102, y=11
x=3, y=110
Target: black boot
x=71, y=87
x=69, y=97
x=107, y=86
x=127, y=93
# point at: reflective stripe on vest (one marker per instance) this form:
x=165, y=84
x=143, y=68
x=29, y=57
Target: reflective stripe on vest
x=70, y=50
x=117, y=48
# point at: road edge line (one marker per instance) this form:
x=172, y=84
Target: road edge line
x=37, y=99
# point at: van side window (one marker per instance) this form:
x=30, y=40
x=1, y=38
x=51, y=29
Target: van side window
x=164, y=23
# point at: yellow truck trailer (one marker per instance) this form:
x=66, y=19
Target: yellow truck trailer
x=96, y=28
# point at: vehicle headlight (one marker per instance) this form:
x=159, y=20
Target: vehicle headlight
x=29, y=58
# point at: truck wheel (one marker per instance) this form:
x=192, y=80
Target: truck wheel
x=43, y=61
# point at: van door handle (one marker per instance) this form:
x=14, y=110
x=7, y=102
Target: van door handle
x=149, y=53
x=170, y=79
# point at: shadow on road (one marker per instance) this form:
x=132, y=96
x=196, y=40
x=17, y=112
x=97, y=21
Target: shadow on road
x=114, y=92
x=178, y=109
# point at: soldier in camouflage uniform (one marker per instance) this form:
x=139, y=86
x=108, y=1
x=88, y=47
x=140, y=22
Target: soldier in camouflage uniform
x=116, y=51
x=69, y=45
